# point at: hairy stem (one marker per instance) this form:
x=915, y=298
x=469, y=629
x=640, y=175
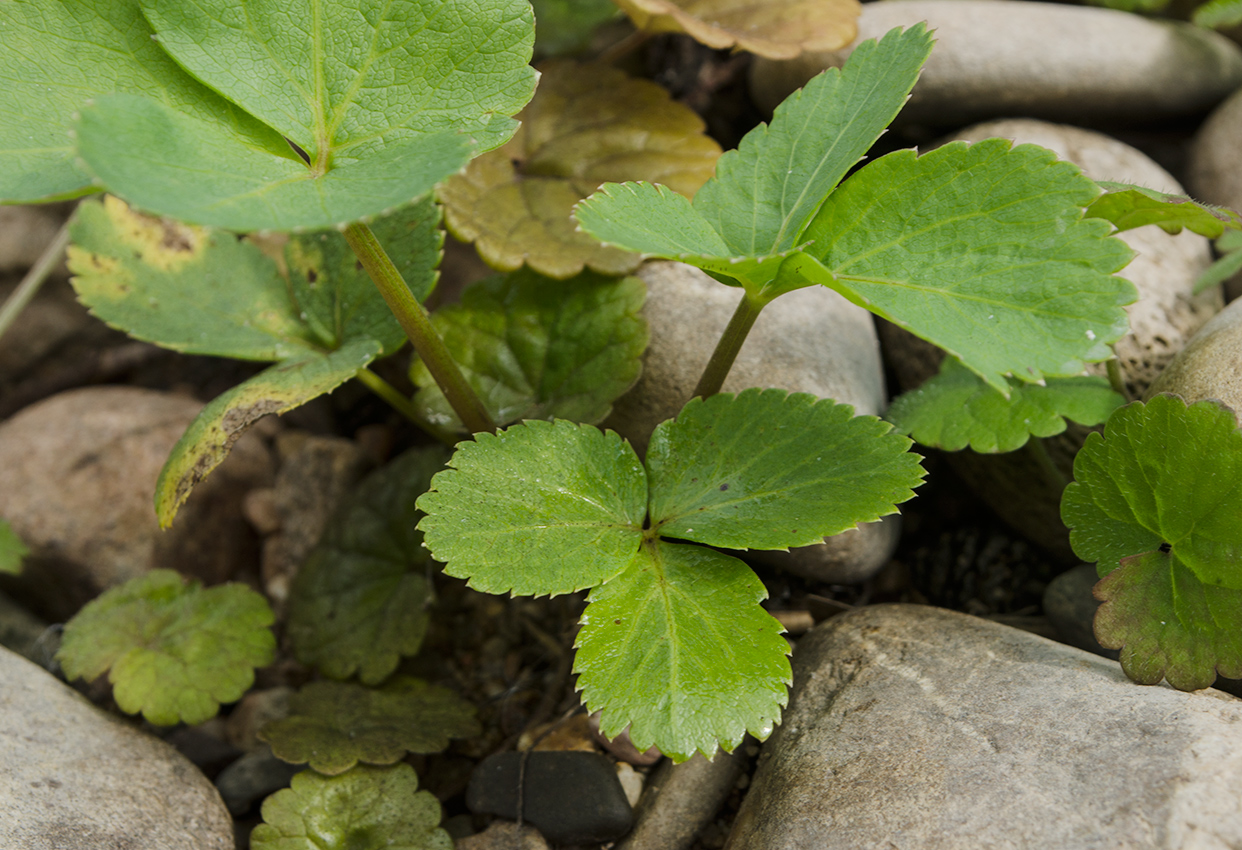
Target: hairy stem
x=417, y=324
x=1113, y=366
x=39, y=272
x=728, y=347
x=402, y=405
x=1039, y=451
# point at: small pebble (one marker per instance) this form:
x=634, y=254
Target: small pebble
x=246, y=782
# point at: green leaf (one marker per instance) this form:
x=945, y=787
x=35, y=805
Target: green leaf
x=1220, y=271
x=765, y=192
x=172, y=650
x=1137, y=6
x=172, y=164
x=982, y=250
x=334, y=725
x=1219, y=14
x=1168, y=623
x=769, y=470
x=12, y=550
x=360, y=601
x=221, y=423
x=566, y=26
x=650, y=219
x=367, y=807
x=1162, y=475
x=1128, y=206
x=536, y=348
x=586, y=125
x=956, y=408
x=678, y=649
x=540, y=508
x=60, y=53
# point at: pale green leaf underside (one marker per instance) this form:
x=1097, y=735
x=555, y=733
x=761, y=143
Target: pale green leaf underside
x=221, y=423
x=765, y=192
x=1162, y=473
x=12, y=549
x=1220, y=271
x=956, y=408
x=982, y=250
x=770, y=470
x=363, y=808
x=1169, y=624
x=347, y=79
x=537, y=348
x=540, y=508
x=1219, y=13
x=334, y=725
x=166, y=162
x=1128, y=206
x=360, y=601
x=678, y=648
x=58, y=54
x=173, y=651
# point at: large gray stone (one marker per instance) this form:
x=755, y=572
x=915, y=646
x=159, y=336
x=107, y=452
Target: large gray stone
x=1215, y=166
x=1210, y=366
x=916, y=727
x=1045, y=60
x=75, y=778
x=811, y=341
x=681, y=799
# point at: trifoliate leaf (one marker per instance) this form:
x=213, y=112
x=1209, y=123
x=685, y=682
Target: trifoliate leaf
x=566, y=26
x=956, y=408
x=1219, y=14
x=777, y=29
x=362, y=87
x=367, y=807
x=1163, y=474
x=765, y=192
x=1169, y=624
x=278, y=389
x=360, y=601
x=1157, y=503
x=12, y=549
x=586, y=125
x=768, y=470
x=172, y=650
x=1129, y=206
x=540, y=508
x=60, y=53
x=203, y=291
x=678, y=649
x=334, y=725
x=536, y=348
x=982, y=250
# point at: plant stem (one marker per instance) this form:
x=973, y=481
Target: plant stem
x=624, y=47
x=402, y=405
x=417, y=324
x=39, y=272
x=1113, y=366
x=728, y=347
x=1038, y=450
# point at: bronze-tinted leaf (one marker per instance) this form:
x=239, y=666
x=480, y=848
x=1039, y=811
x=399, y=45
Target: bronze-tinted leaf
x=587, y=125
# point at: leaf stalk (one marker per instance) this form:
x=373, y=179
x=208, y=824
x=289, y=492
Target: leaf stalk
x=34, y=279
x=730, y=344
x=417, y=325
x=397, y=400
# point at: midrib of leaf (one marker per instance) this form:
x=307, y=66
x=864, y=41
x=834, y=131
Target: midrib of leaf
x=323, y=135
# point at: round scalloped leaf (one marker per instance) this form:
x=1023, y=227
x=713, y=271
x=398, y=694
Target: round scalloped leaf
x=678, y=649
x=956, y=408
x=359, y=603
x=1163, y=475
x=982, y=250
x=767, y=469
x=539, y=508
x=360, y=86
x=777, y=29
x=173, y=650
x=537, y=348
x=334, y=725
x=1169, y=624
x=368, y=807
x=12, y=549
x=587, y=124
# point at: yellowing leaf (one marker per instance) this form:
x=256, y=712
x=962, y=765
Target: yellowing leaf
x=586, y=126
x=777, y=29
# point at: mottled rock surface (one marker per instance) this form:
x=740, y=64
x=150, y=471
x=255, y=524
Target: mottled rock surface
x=681, y=799
x=75, y=778
x=912, y=726
x=1210, y=366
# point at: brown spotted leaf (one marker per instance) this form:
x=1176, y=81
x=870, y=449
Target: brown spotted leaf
x=587, y=125
x=777, y=29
